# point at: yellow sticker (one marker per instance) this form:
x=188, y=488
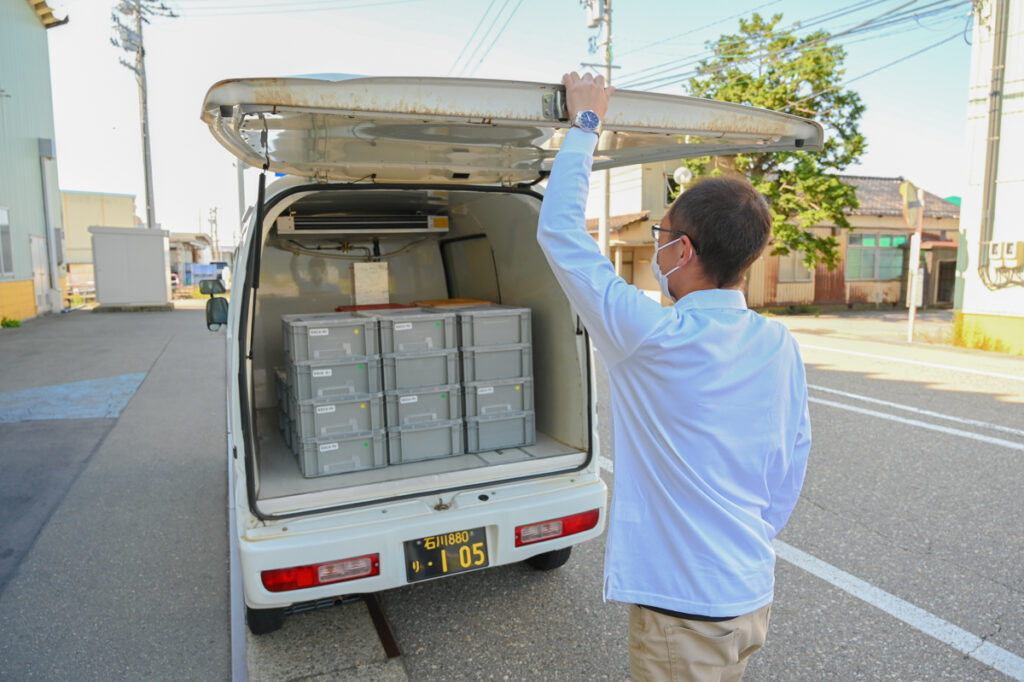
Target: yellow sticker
x=363, y=406
x=517, y=388
x=356, y=331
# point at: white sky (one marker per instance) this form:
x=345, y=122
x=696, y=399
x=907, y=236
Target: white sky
x=914, y=124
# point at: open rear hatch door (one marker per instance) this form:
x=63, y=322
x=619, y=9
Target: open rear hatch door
x=469, y=131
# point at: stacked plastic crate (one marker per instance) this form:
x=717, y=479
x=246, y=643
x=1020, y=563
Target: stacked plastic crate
x=497, y=374
x=423, y=399
x=329, y=395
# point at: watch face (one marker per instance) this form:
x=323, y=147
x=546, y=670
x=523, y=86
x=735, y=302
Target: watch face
x=588, y=119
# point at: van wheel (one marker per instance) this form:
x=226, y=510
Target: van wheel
x=263, y=621
x=550, y=560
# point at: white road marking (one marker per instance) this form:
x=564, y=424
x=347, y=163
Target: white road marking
x=952, y=368
x=924, y=425
x=965, y=642
x=927, y=413
x=606, y=463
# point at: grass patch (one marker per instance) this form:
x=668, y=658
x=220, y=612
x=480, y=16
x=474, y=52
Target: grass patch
x=967, y=336
x=802, y=309
x=9, y=323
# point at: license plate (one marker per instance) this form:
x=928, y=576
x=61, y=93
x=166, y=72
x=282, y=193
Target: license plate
x=438, y=555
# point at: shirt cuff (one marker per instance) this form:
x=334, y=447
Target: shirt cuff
x=577, y=140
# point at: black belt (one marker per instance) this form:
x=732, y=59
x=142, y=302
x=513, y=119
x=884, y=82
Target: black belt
x=686, y=616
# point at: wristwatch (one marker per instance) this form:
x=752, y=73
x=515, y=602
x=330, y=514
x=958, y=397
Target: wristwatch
x=586, y=120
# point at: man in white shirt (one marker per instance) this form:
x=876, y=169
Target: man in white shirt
x=709, y=412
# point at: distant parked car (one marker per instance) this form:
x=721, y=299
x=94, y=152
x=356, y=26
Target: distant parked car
x=175, y=281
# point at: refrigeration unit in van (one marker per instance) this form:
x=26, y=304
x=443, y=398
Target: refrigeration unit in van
x=410, y=391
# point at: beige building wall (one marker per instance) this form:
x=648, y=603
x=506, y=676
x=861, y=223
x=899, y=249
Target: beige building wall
x=83, y=210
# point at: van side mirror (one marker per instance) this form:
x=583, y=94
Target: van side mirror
x=216, y=313
x=211, y=286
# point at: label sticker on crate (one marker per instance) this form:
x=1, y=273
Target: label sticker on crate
x=317, y=373
x=485, y=390
x=403, y=326
x=406, y=399
x=327, y=447
x=325, y=409
x=319, y=331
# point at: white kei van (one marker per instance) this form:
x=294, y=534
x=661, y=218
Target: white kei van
x=439, y=179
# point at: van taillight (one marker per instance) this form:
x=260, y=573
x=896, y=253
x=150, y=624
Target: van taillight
x=556, y=528
x=314, y=575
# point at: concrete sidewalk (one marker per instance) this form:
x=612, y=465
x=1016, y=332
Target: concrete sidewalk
x=113, y=527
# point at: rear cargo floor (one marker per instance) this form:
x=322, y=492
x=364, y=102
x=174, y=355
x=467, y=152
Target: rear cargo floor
x=283, y=488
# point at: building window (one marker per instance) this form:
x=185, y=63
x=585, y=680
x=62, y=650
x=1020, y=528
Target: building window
x=792, y=268
x=6, y=253
x=875, y=256
x=671, y=189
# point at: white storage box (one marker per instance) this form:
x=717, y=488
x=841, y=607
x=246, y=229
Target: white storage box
x=493, y=325
x=500, y=431
x=328, y=336
x=329, y=418
x=415, y=370
x=414, y=330
x=334, y=378
x=424, y=441
x=483, y=363
x=499, y=396
x=355, y=452
x=420, y=405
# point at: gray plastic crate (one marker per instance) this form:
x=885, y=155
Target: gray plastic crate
x=424, y=441
x=500, y=431
x=415, y=370
x=356, y=452
x=415, y=330
x=483, y=363
x=328, y=336
x=327, y=418
x=493, y=325
x=499, y=396
x=334, y=378
x=420, y=405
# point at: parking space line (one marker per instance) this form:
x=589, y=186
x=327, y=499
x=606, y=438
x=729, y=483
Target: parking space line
x=924, y=425
x=953, y=368
x=917, y=410
x=965, y=642
x=606, y=463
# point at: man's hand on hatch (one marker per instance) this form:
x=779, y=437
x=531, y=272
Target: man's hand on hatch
x=586, y=92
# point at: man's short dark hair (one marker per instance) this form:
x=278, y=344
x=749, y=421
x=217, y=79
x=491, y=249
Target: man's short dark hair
x=730, y=223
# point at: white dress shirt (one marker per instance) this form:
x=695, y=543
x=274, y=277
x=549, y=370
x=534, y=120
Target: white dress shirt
x=709, y=411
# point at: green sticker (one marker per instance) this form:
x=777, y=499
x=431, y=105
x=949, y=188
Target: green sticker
x=437, y=324
x=442, y=395
x=366, y=444
x=360, y=366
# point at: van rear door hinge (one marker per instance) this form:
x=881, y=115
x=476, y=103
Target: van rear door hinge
x=320, y=177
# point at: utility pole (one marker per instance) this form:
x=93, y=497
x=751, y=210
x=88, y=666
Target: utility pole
x=599, y=13
x=129, y=38
x=214, y=237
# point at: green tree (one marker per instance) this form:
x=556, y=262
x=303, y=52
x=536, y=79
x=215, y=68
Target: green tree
x=769, y=67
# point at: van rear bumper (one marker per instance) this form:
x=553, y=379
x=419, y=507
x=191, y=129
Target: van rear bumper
x=384, y=529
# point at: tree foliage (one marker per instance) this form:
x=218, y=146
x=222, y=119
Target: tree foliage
x=769, y=67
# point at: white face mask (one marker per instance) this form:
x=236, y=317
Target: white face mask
x=659, y=275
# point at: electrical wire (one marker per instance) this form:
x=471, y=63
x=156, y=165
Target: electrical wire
x=482, y=39
x=220, y=9
x=496, y=37
x=874, y=24
x=472, y=36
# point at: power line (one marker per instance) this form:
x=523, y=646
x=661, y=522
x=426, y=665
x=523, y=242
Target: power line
x=472, y=36
x=484, y=37
x=497, y=35
x=882, y=21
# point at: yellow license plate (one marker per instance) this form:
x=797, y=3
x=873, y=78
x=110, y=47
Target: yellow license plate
x=439, y=555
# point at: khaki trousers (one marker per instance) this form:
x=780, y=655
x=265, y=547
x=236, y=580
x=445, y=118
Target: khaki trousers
x=665, y=648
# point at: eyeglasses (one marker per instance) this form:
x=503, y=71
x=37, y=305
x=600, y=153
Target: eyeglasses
x=655, y=229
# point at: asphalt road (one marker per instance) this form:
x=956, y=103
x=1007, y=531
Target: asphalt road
x=902, y=560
